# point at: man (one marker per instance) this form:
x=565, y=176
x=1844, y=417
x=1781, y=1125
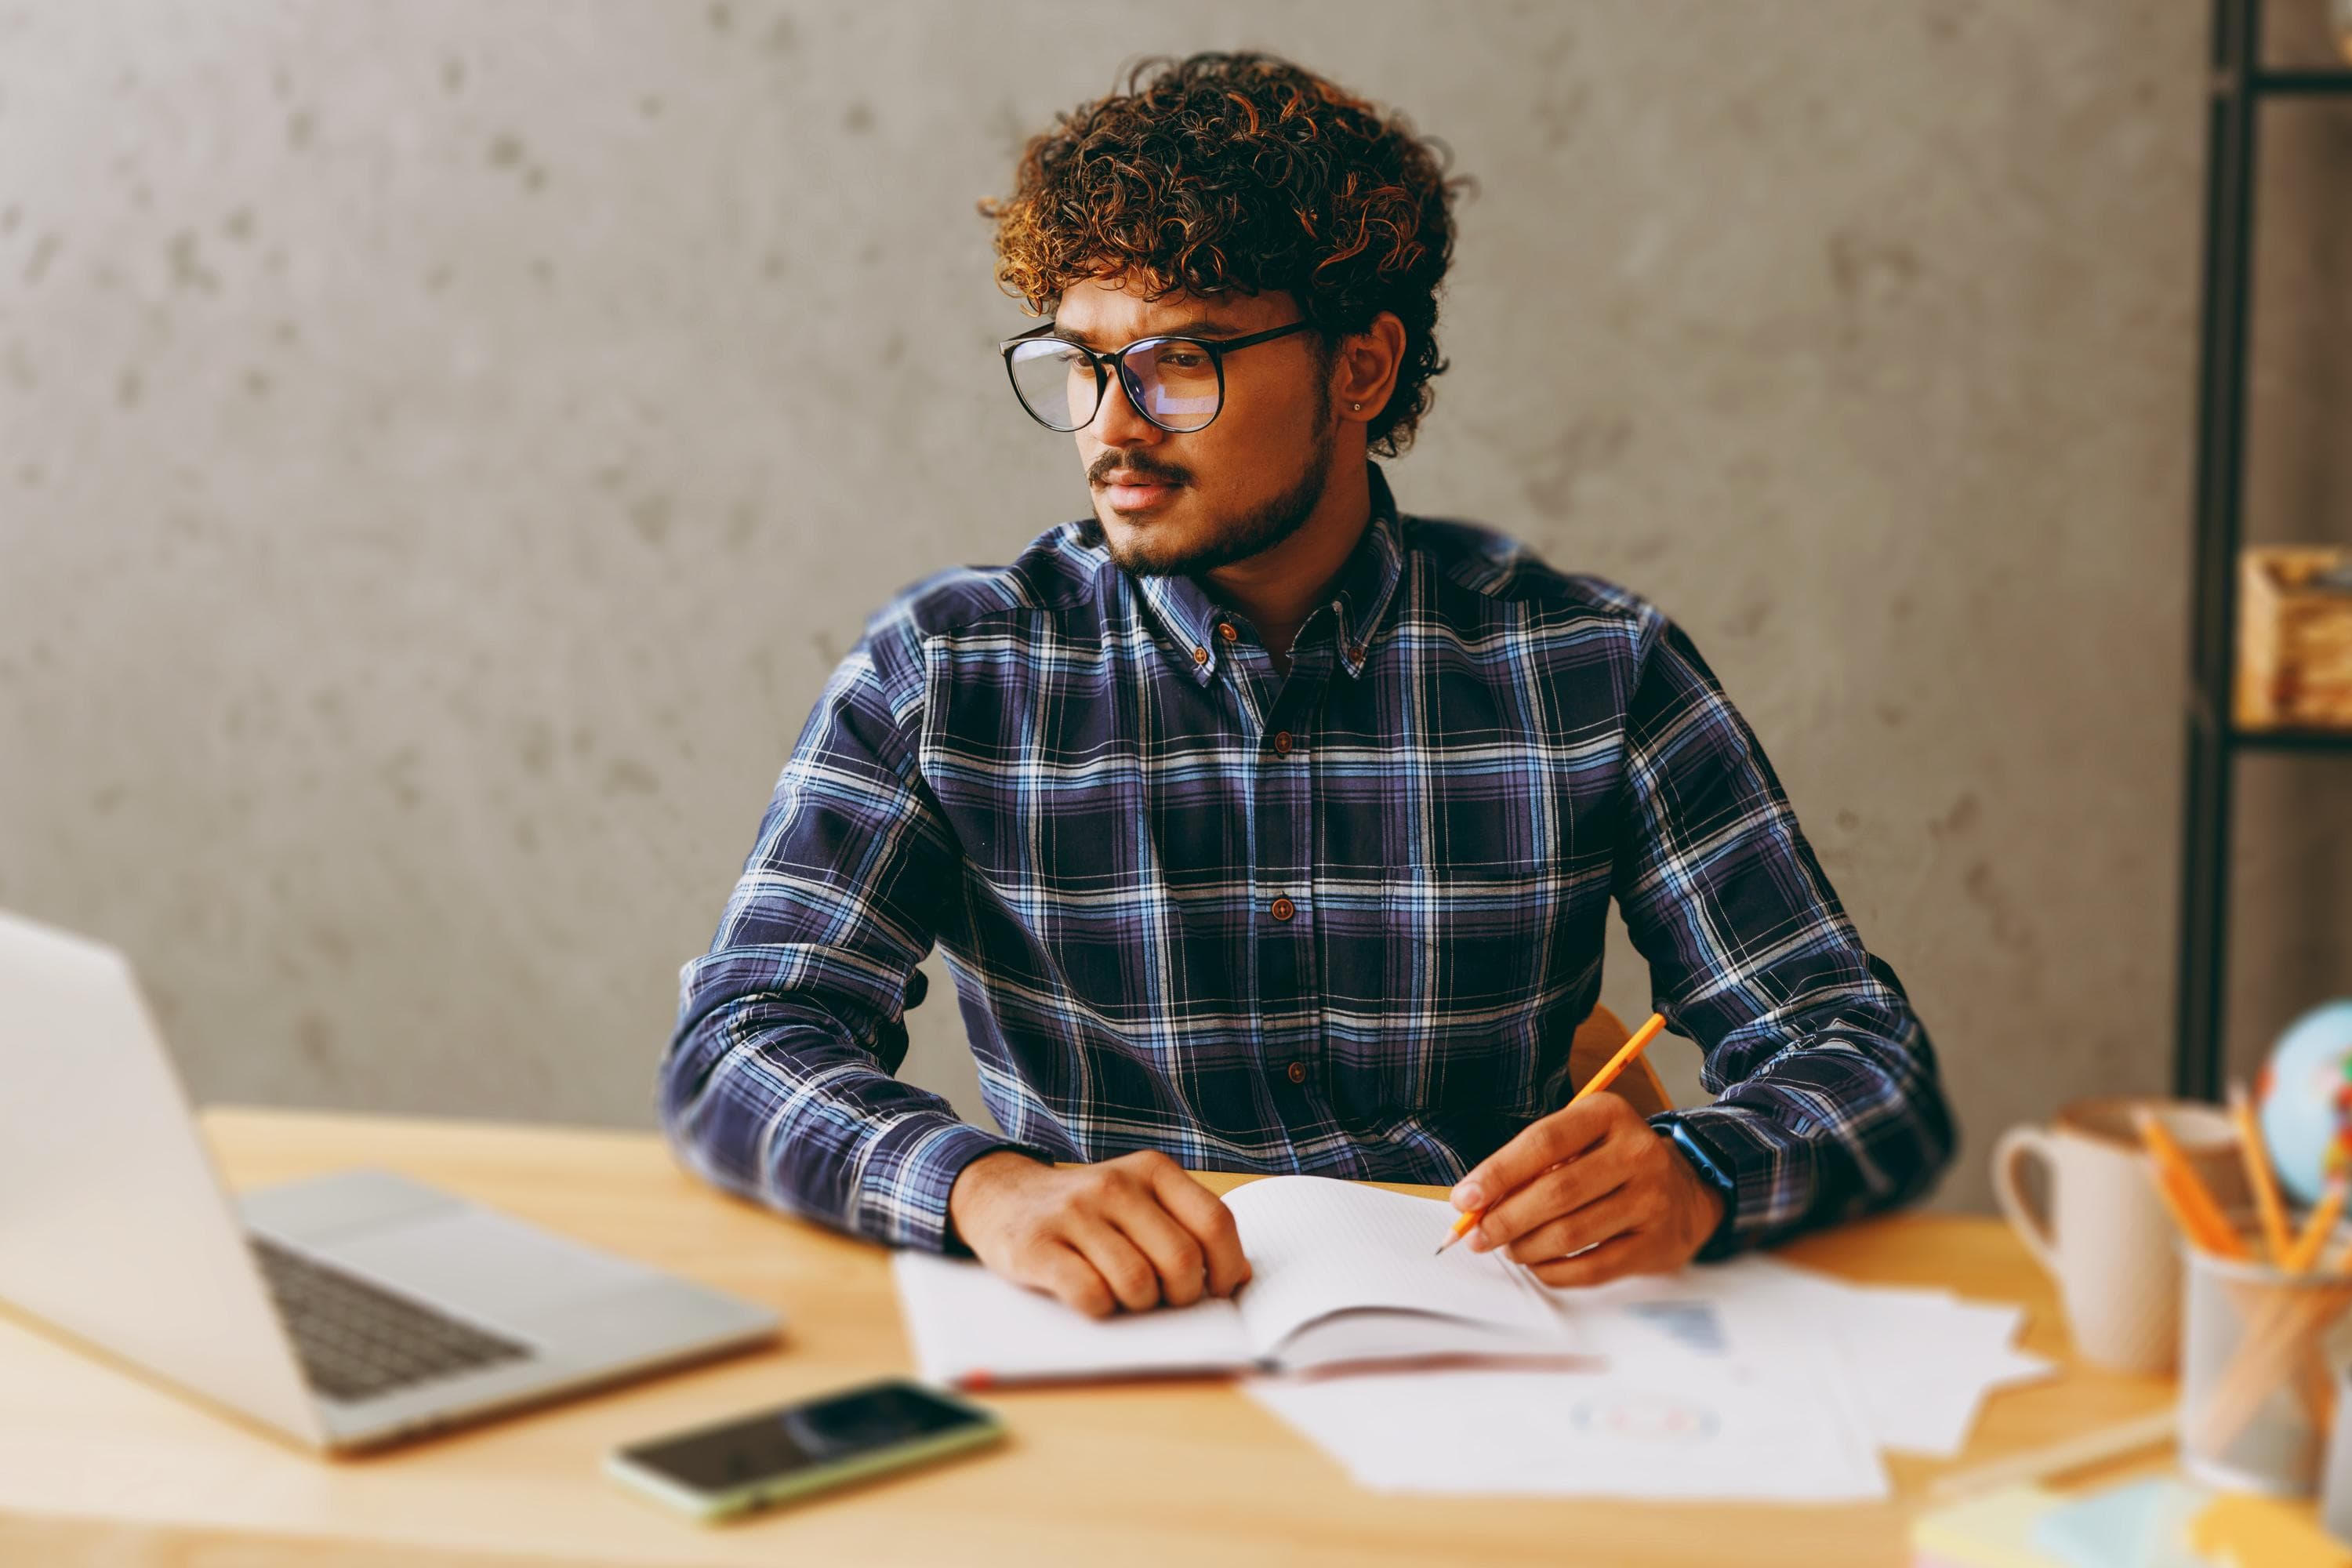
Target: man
x=1264, y=828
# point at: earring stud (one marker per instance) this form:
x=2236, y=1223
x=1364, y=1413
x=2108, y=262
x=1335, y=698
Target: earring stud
x=1356, y=406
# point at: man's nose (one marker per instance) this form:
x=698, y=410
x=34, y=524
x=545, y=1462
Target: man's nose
x=1117, y=423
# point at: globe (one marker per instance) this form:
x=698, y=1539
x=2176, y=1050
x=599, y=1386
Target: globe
x=2303, y=1100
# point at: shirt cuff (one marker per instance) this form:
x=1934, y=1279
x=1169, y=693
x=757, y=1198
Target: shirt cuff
x=910, y=1170
x=1716, y=1152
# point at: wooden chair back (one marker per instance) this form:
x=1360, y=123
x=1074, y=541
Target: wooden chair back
x=1597, y=1039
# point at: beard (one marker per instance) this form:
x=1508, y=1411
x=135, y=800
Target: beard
x=1256, y=530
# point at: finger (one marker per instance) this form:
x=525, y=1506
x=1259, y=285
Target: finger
x=1542, y=1143
x=1562, y=1190
x=1622, y=1255
x=1178, y=1259
x=1204, y=1215
x=1120, y=1263
x=1057, y=1269
x=1594, y=1224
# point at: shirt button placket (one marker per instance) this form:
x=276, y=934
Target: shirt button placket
x=1289, y=973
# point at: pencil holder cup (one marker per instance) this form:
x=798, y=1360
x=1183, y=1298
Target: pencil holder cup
x=2335, y=1484
x=2260, y=1350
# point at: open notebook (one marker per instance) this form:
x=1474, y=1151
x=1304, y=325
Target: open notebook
x=1340, y=1275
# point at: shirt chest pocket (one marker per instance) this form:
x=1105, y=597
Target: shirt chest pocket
x=1464, y=939
x=1479, y=917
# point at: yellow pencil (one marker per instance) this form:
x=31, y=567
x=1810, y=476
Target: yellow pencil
x=2316, y=1228
x=1593, y=1085
x=2256, y=1157
x=2188, y=1198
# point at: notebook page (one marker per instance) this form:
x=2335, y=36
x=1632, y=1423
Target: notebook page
x=1318, y=1247
x=969, y=1326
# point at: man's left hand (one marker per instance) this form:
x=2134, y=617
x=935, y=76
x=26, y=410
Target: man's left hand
x=1588, y=1194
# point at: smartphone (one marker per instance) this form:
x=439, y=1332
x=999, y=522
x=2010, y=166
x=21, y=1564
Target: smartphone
x=793, y=1450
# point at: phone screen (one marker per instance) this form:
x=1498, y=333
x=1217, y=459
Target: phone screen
x=802, y=1436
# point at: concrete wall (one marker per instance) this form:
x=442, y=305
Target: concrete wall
x=444, y=448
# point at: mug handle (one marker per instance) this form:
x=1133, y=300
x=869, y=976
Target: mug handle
x=2016, y=1145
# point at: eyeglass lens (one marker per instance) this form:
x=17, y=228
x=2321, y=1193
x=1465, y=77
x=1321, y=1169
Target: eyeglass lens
x=1177, y=382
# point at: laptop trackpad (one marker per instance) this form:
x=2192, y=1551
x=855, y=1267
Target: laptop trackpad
x=484, y=1265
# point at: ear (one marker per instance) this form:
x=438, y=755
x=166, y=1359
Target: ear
x=1364, y=367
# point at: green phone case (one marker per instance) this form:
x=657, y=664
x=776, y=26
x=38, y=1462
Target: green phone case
x=712, y=1507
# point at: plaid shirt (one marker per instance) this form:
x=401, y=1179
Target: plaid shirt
x=1343, y=923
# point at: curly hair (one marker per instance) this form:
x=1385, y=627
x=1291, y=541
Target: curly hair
x=1242, y=172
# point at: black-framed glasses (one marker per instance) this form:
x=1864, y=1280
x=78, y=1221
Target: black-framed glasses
x=1176, y=383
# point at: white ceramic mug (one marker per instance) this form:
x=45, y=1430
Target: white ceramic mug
x=2106, y=1239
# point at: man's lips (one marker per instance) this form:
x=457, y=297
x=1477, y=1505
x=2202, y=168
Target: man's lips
x=1137, y=494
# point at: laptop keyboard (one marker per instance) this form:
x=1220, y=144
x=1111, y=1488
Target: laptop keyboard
x=357, y=1341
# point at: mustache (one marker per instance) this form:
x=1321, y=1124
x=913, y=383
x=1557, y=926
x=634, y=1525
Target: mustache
x=1111, y=462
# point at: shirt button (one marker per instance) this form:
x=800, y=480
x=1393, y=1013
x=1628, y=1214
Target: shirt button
x=1200, y=656
x=1295, y=1073
x=1226, y=630
x=1282, y=909
x=1282, y=742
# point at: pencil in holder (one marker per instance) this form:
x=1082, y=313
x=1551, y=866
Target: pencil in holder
x=2260, y=1348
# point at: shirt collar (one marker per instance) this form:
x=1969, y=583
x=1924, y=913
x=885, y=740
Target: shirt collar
x=1359, y=599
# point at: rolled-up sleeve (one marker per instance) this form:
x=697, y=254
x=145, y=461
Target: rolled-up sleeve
x=1828, y=1102
x=779, y=1081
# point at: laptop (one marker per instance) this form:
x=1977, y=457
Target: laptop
x=346, y=1311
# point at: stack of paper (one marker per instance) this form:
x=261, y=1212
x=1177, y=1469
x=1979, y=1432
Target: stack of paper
x=1747, y=1380
x=1920, y=1360
x=2160, y=1524
x=2132, y=1524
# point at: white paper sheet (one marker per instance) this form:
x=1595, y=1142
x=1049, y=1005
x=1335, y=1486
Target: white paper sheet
x=1673, y=1425
x=1922, y=1360
x=1932, y=1413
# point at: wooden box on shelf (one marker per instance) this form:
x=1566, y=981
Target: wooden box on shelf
x=2295, y=637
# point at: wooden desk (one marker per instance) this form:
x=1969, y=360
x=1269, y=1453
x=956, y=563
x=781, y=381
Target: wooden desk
x=96, y=1466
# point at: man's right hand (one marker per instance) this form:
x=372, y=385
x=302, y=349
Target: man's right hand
x=1132, y=1231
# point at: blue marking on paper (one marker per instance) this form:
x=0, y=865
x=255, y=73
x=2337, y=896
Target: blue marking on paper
x=1694, y=1325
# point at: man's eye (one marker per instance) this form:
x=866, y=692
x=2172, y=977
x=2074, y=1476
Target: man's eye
x=1184, y=359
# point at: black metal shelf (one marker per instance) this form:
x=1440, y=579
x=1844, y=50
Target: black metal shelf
x=2292, y=739
x=2241, y=85
x=2301, y=82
